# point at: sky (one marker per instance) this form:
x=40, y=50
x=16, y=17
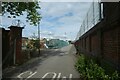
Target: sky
x=59, y=20
x=62, y=19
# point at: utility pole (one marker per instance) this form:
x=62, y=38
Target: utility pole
x=39, y=36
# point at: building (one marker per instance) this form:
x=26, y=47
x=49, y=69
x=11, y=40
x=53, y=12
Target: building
x=42, y=43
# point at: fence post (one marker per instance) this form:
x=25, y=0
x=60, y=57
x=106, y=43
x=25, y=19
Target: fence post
x=87, y=21
x=93, y=15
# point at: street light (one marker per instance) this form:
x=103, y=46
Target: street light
x=39, y=18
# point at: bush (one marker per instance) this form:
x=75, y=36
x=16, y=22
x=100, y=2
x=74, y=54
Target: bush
x=89, y=70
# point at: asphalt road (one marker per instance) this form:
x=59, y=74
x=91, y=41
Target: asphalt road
x=54, y=63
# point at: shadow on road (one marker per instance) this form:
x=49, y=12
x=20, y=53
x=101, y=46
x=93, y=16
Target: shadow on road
x=33, y=63
x=50, y=52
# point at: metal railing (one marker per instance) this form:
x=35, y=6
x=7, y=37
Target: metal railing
x=94, y=15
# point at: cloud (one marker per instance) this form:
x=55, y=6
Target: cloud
x=64, y=17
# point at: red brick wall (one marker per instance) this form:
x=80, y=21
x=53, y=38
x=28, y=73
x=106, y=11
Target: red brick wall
x=103, y=40
x=119, y=45
x=87, y=44
x=94, y=44
x=16, y=34
x=19, y=55
x=110, y=45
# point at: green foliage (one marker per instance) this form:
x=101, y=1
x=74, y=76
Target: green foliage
x=33, y=44
x=89, y=70
x=36, y=43
x=17, y=9
x=30, y=45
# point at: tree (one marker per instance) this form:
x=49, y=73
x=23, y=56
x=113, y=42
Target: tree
x=36, y=44
x=33, y=44
x=17, y=9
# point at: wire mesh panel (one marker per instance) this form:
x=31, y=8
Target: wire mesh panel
x=93, y=16
x=90, y=17
x=96, y=12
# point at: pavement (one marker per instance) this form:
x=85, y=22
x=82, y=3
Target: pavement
x=52, y=64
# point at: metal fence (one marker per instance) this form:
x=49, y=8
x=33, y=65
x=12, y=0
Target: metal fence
x=94, y=15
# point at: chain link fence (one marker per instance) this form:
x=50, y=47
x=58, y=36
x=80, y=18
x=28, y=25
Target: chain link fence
x=94, y=15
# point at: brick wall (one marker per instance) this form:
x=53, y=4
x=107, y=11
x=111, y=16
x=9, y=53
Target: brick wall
x=5, y=48
x=103, y=40
x=9, y=48
x=110, y=45
x=119, y=47
x=16, y=39
x=87, y=44
x=94, y=43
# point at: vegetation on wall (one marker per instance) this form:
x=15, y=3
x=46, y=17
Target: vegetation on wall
x=89, y=70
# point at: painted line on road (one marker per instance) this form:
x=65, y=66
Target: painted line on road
x=29, y=73
x=19, y=76
x=64, y=77
x=70, y=77
x=56, y=76
x=50, y=73
x=59, y=74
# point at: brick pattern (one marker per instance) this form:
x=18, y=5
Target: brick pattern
x=94, y=43
x=118, y=47
x=87, y=44
x=110, y=45
x=16, y=34
x=8, y=46
x=103, y=40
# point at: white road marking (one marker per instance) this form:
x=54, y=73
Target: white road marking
x=29, y=72
x=59, y=74
x=19, y=76
x=50, y=73
x=70, y=76
x=64, y=78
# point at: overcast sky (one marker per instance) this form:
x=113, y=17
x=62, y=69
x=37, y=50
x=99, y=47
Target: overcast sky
x=59, y=20
x=62, y=19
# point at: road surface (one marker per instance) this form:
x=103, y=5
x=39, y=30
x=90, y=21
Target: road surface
x=54, y=63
